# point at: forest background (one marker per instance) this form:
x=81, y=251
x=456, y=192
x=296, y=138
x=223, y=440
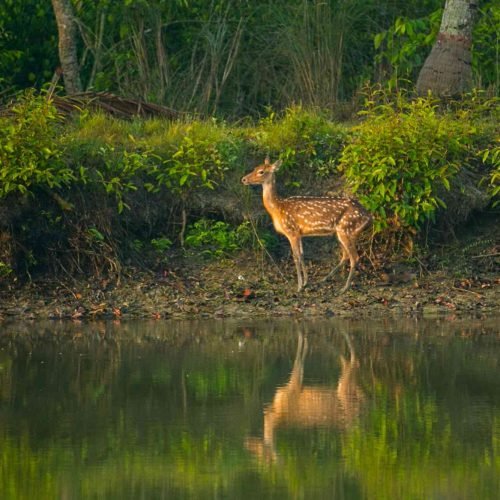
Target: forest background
x=327, y=86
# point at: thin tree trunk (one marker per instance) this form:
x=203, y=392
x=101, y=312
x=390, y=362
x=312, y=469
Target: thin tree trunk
x=97, y=48
x=447, y=70
x=68, y=55
x=183, y=224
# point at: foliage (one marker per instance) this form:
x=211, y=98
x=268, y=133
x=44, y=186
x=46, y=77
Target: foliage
x=232, y=58
x=28, y=50
x=161, y=244
x=306, y=140
x=492, y=156
x=117, y=173
x=195, y=164
x=182, y=157
x=154, y=250
x=401, y=159
x=29, y=156
x=217, y=238
x=403, y=47
x=485, y=50
x=5, y=269
x=100, y=190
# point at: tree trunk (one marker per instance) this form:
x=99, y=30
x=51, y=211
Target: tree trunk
x=447, y=70
x=68, y=55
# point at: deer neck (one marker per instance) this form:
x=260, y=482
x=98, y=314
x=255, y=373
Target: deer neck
x=270, y=196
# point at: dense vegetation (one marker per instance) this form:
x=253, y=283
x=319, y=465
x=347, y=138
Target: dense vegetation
x=95, y=192
x=234, y=58
x=286, y=79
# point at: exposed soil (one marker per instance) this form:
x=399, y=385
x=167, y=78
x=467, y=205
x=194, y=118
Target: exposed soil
x=459, y=279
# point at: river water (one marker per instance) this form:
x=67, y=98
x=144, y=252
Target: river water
x=250, y=409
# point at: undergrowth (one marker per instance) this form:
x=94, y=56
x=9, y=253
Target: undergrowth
x=94, y=192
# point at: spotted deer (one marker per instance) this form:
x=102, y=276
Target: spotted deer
x=300, y=216
x=300, y=406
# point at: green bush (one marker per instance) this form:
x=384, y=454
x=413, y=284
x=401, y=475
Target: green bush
x=99, y=190
x=119, y=172
x=194, y=165
x=30, y=156
x=400, y=160
x=401, y=49
x=5, y=269
x=492, y=179
x=307, y=141
x=161, y=244
x=217, y=238
x=181, y=157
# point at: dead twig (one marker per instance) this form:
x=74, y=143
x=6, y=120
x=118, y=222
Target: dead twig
x=486, y=255
x=469, y=291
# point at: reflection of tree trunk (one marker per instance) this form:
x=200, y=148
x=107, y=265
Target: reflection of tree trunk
x=68, y=55
x=447, y=70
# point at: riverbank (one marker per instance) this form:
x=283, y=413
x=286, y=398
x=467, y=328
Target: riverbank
x=237, y=288
x=459, y=279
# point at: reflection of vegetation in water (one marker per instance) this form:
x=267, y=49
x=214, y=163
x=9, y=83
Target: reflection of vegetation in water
x=417, y=447
x=166, y=412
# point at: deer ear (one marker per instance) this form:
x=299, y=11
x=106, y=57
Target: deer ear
x=267, y=161
x=276, y=165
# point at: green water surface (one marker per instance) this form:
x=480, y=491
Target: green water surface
x=405, y=409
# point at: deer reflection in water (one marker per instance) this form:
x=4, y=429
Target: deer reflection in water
x=300, y=406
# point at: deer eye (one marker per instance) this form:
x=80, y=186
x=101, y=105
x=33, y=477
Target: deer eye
x=261, y=172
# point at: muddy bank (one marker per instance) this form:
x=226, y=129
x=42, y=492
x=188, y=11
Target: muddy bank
x=459, y=279
x=240, y=287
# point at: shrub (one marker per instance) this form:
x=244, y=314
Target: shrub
x=214, y=237
x=307, y=141
x=119, y=172
x=30, y=157
x=5, y=269
x=217, y=238
x=492, y=179
x=161, y=244
x=399, y=161
x=194, y=165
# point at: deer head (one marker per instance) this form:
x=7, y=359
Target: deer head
x=262, y=174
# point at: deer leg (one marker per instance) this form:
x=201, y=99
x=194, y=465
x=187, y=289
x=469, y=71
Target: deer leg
x=303, y=264
x=347, y=237
x=296, y=245
x=342, y=262
x=349, y=244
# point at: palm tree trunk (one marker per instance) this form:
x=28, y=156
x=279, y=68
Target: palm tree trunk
x=447, y=70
